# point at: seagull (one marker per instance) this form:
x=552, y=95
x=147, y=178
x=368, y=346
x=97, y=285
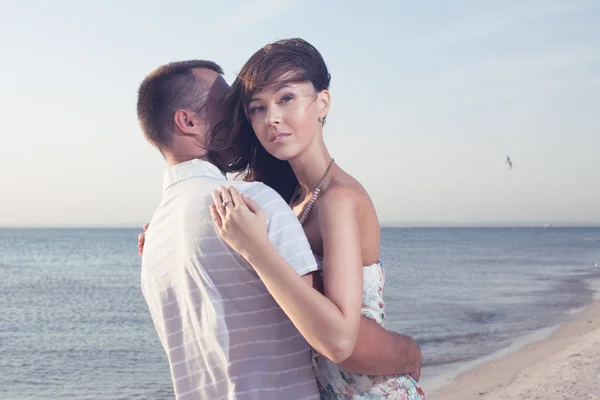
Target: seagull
x=509, y=162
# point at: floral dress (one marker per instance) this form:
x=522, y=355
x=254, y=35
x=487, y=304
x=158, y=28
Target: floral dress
x=336, y=383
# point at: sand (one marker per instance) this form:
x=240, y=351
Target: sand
x=564, y=366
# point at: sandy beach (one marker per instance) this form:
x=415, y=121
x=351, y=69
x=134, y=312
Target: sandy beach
x=564, y=366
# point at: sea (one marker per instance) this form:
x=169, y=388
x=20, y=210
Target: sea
x=74, y=324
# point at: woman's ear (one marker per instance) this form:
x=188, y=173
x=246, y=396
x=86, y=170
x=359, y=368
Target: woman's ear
x=323, y=102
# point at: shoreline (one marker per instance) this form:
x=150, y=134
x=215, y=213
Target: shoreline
x=564, y=357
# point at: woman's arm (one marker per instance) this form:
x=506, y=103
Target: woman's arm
x=330, y=324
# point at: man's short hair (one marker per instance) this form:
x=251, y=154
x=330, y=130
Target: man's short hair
x=164, y=91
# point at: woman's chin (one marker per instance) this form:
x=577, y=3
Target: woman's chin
x=282, y=153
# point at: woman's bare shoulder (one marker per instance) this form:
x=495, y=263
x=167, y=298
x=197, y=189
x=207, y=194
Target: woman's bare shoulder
x=345, y=191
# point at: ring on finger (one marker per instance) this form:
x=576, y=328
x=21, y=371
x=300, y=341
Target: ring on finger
x=225, y=203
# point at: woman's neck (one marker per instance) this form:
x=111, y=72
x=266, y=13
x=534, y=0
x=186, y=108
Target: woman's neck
x=310, y=166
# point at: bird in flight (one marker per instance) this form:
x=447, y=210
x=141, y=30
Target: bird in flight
x=509, y=162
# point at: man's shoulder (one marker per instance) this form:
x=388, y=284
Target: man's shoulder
x=262, y=194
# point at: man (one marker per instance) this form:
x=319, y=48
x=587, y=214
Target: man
x=224, y=335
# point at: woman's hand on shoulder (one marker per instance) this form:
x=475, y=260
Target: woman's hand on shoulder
x=239, y=221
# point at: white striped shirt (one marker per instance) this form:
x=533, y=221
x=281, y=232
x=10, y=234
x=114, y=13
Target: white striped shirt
x=224, y=335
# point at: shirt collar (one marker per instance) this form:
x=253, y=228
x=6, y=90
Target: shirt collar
x=191, y=169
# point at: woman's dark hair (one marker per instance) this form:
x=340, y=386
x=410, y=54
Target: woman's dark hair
x=281, y=62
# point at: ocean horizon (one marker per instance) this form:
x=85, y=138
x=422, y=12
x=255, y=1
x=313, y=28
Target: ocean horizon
x=399, y=224
x=75, y=324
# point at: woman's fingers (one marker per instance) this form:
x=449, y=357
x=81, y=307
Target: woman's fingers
x=215, y=216
x=236, y=197
x=141, y=240
x=216, y=194
x=225, y=196
x=255, y=208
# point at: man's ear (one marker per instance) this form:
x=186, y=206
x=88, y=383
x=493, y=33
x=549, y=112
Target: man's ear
x=183, y=120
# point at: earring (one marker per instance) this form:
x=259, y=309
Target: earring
x=320, y=120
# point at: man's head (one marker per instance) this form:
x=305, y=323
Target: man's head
x=178, y=103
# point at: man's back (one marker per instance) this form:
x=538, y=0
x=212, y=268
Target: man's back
x=224, y=335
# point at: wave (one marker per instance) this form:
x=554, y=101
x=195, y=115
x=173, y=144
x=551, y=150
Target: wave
x=591, y=238
x=461, y=338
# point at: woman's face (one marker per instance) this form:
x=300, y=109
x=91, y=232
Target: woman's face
x=285, y=118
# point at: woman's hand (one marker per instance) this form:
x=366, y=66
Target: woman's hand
x=240, y=221
x=142, y=239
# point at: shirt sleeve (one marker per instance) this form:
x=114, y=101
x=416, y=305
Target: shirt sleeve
x=284, y=229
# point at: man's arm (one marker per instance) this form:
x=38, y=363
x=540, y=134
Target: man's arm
x=382, y=352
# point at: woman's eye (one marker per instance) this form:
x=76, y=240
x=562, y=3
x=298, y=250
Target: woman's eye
x=255, y=109
x=286, y=98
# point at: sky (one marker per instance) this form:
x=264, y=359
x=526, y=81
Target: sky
x=428, y=98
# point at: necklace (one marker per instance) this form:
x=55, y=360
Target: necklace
x=304, y=214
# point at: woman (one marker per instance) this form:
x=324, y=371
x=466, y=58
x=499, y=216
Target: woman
x=275, y=112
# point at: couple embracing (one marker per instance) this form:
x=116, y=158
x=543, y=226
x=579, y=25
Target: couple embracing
x=270, y=286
